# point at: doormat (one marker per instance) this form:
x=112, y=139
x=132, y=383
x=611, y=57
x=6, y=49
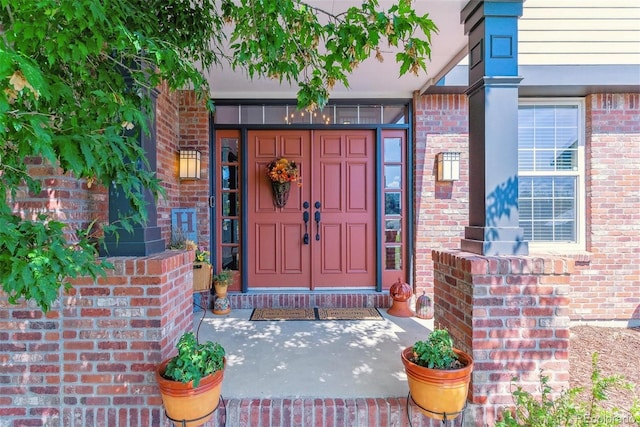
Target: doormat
x=259, y=314
x=283, y=314
x=363, y=313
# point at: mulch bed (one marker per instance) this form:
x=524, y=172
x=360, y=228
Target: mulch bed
x=618, y=354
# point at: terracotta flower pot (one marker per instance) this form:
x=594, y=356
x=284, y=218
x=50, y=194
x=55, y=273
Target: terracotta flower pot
x=221, y=289
x=438, y=391
x=183, y=402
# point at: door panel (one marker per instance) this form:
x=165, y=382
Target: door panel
x=266, y=244
x=357, y=236
x=344, y=168
x=331, y=249
x=292, y=262
x=276, y=254
x=357, y=197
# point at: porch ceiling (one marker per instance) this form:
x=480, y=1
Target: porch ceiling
x=372, y=79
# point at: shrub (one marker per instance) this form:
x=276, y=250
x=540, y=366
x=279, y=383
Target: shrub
x=568, y=409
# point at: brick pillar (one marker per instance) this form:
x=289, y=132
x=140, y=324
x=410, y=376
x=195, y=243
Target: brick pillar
x=90, y=361
x=511, y=313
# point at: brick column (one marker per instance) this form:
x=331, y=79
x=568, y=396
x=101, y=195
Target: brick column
x=90, y=361
x=512, y=315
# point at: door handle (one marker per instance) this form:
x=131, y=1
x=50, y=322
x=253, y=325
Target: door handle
x=305, y=217
x=316, y=216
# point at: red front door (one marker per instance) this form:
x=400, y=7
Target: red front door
x=337, y=196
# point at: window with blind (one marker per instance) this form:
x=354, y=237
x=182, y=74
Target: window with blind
x=551, y=173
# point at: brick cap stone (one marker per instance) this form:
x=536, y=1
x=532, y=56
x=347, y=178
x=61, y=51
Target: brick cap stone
x=505, y=264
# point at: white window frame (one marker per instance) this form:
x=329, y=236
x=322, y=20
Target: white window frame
x=581, y=214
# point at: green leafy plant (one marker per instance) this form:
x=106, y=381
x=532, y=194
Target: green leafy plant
x=194, y=361
x=223, y=277
x=34, y=254
x=567, y=408
x=635, y=411
x=436, y=352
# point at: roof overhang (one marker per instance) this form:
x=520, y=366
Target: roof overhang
x=372, y=79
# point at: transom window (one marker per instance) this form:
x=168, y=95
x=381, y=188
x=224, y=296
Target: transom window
x=332, y=114
x=551, y=173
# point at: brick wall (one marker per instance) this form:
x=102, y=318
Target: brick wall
x=606, y=283
x=512, y=315
x=90, y=360
x=167, y=145
x=182, y=122
x=440, y=207
x=609, y=280
x=62, y=197
x=194, y=133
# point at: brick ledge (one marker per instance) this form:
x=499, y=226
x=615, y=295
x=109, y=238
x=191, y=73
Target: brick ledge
x=318, y=412
x=339, y=299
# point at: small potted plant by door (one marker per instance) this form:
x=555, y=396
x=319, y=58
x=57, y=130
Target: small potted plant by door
x=221, y=282
x=190, y=382
x=438, y=375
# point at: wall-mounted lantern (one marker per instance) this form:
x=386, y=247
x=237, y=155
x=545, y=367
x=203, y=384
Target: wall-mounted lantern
x=448, y=166
x=189, y=164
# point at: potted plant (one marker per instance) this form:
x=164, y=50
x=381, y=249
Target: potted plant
x=202, y=270
x=438, y=375
x=179, y=241
x=221, y=281
x=190, y=382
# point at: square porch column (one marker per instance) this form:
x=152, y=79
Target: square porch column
x=493, y=128
x=145, y=239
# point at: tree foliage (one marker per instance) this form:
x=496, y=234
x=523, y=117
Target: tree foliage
x=75, y=84
x=313, y=48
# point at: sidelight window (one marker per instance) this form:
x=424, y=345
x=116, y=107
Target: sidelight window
x=393, y=202
x=229, y=203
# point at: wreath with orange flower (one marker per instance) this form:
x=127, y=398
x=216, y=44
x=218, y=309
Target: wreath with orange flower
x=282, y=170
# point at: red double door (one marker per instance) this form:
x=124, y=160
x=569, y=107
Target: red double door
x=325, y=235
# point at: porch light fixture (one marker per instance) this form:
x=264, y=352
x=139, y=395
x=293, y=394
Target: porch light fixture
x=448, y=166
x=189, y=164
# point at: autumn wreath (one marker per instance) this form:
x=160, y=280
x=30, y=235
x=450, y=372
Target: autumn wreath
x=282, y=172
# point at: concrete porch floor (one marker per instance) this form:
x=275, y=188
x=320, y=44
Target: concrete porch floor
x=313, y=373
